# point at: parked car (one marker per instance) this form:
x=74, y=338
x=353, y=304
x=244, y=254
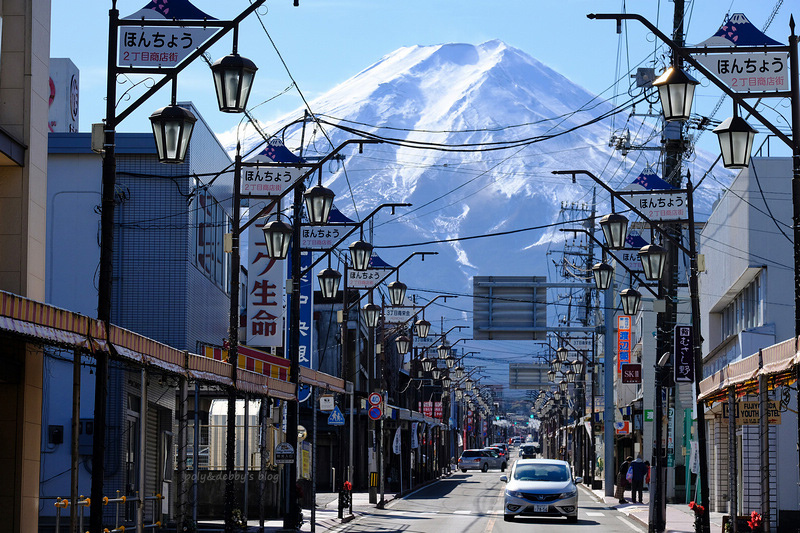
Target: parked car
x=500, y=451
x=481, y=460
x=540, y=487
x=527, y=451
x=500, y=459
x=516, y=440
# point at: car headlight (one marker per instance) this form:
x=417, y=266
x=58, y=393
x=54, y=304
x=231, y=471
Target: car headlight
x=514, y=493
x=571, y=494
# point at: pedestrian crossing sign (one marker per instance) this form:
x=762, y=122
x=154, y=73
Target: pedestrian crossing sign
x=336, y=418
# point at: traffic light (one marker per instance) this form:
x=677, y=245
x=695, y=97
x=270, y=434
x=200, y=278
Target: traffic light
x=531, y=417
x=497, y=417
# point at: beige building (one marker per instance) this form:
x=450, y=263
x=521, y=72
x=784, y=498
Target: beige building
x=24, y=94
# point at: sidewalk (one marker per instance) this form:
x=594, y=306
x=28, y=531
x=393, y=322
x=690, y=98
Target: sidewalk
x=680, y=519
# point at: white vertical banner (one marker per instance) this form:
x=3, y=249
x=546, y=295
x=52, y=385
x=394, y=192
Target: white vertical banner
x=414, y=439
x=397, y=442
x=266, y=291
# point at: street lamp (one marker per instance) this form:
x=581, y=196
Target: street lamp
x=443, y=350
x=555, y=364
x=233, y=79
x=735, y=137
x=653, y=258
x=551, y=376
x=371, y=313
x=403, y=344
x=318, y=200
x=578, y=365
x=459, y=372
x=446, y=381
x=360, y=253
x=397, y=292
x=436, y=374
x=469, y=384
x=602, y=275
x=329, y=280
x=427, y=364
x=563, y=385
x=450, y=361
x=422, y=328
x=172, y=129
x=561, y=354
x=278, y=236
x=615, y=230
x=631, y=300
x=676, y=91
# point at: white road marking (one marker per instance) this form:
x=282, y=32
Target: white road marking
x=629, y=523
x=588, y=513
x=462, y=512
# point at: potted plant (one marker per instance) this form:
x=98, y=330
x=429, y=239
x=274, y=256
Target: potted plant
x=698, y=514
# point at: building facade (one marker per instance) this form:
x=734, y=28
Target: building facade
x=746, y=304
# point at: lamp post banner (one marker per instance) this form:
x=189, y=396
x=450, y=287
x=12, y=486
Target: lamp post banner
x=366, y=279
x=266, y=292
x=161, y=46
x=684, y=355
x=304, y=346
x=623, y=341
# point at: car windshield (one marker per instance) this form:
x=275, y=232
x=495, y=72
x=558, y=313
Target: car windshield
x=527, y=449
x=541, y=472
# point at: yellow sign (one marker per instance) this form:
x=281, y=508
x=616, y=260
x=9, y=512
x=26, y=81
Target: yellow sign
x=747, y=413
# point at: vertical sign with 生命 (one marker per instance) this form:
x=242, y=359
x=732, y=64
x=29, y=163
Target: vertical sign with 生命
x=684, y=355
x=265, y=292
x=623, y=341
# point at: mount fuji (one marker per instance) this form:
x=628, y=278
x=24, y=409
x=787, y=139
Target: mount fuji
x=472, y=134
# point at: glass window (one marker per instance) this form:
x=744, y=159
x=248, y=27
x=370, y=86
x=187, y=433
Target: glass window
x=541, y=472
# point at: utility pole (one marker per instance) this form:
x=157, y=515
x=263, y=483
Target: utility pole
x=674, y=147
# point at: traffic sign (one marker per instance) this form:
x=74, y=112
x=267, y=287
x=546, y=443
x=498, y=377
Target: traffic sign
x=375, y=412
x=336, y=418
x=374, y=398
x=284, y=453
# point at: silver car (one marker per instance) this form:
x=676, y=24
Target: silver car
x=498, y=459
x=481, y=460
x=540, y=487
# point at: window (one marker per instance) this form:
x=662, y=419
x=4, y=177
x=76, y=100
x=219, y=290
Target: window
x=211, y=225
x=745, y=311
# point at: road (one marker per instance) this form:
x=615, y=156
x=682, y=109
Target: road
x=473, y=503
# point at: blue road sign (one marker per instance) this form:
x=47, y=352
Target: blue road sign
x=336, y=418
x=375, y=413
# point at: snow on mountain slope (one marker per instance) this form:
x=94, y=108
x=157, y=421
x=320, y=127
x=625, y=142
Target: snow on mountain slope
x=449, y=100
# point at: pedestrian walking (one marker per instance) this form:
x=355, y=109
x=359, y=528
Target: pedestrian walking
x=638, y=471
x=622, y=482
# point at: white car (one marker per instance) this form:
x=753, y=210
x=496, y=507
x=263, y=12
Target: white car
x=540, y=487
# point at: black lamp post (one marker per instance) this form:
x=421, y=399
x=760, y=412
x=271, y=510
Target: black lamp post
x=403, y=344
x=561, y=354
x=653, y=258
x=615, y=230
x=329, y=280
x=631, y=301
x=676, y=91
x=360, y=253
x=427, y=364
x=602, y=275
x=556, y=365
x=371, y=313
x=735, y=137
x=443, y=350
x=278, y=236
x=318, y=200
x=233, y=79
x=172, y=129
x=422, y=328
x=397, y=292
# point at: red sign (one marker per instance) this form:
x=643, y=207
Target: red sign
x=631, y=373
x=426, y=408
x=437, y=410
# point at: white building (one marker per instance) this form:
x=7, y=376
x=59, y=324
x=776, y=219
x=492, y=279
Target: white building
x=747, y=303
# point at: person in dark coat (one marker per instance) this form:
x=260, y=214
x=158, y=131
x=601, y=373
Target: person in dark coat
x=639, y=473
x=621, y=481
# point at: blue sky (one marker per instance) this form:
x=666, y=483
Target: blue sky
x=324, y=42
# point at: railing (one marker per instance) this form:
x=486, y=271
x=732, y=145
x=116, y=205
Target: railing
x=83, y=502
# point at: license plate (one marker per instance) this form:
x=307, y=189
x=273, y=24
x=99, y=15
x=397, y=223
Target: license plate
x=540, y=508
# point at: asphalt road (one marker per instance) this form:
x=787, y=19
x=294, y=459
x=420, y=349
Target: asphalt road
x=473, y=503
